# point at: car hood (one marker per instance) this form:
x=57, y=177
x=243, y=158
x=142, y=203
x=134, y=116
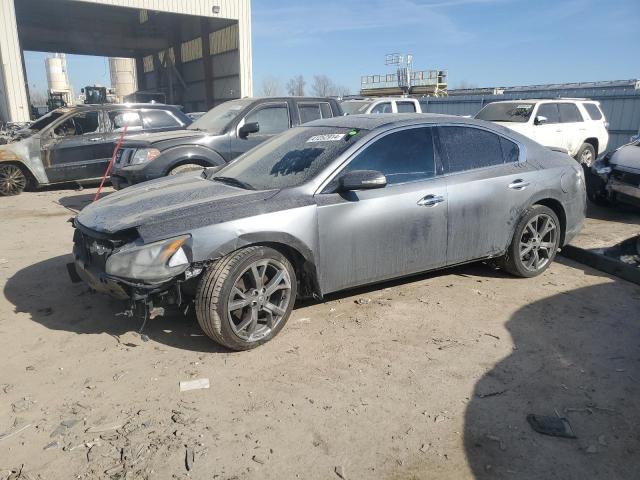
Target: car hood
x=172, y=205
x=627, y=156
x=157, y=137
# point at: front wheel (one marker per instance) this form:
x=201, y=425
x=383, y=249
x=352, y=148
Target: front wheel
x=246, y=297
x=535, y=243
x=13, y=180
x=186, y=167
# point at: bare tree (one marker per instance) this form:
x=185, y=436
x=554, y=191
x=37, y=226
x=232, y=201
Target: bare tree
x=295, y=86
x=38, y=97
x=322, y=86
x=464, y=84
x=340, y=90
x=271, y=86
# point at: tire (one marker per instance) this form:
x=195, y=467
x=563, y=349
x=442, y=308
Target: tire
x=13, y=179
x=586, y=155
x=185, y=167
x=239, y=279
x=522, y=263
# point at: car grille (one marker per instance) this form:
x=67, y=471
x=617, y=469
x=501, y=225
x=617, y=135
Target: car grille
x=627, y=177
x=93, y=251
x=123, y=157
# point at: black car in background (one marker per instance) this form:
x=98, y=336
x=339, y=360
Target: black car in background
x=219, y=136
x=76, y=143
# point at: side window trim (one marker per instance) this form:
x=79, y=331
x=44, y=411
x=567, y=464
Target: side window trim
x=260, y=106
x=336, y=172
x=522, y=157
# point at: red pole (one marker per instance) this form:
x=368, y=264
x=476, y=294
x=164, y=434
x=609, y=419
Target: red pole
x=113, y=158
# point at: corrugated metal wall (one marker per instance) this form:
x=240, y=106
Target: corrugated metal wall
x=620, y=103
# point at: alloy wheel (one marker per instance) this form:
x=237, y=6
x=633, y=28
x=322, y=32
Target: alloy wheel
x=587, y=157
x=12, y=180
x=259, y=299
x=538, y=242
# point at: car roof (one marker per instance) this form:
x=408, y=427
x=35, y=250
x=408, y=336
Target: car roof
x=284, y=99
x=84, y=106
x=378, y=99
x=373, y=121
x=546, y=100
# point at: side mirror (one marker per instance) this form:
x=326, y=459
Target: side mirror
x=362, y=180
x=540, y=120
x=247, y=128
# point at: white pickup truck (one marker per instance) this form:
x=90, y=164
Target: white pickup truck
x=381, y=105
x=575, y=125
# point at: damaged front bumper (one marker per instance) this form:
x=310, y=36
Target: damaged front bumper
x=92, y=254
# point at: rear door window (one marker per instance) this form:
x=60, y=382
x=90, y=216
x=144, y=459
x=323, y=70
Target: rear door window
x=406, y=107
x=157, y=118
x=121, y=118
x=314, y=111
x=403, y=156
x=467, y=148
x=384, y=107
x=550, y=111
x=569, y=113
x=271, y=118
x=593, y=111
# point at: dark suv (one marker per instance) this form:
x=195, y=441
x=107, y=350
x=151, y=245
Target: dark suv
x=76, y=143
x=216, y=138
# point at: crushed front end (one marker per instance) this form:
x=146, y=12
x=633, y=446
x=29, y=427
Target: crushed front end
x=121, y=265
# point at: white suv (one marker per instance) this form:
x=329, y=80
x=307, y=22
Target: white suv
x=577, y=126
x=381, y=105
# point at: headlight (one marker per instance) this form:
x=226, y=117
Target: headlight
x=144, y=155
x=155, y=262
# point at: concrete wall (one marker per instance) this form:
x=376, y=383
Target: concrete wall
x=13, y=94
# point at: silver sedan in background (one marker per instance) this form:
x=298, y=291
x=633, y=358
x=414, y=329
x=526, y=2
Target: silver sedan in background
x=327, y=206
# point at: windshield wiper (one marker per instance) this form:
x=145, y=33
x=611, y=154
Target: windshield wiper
x=234, y=182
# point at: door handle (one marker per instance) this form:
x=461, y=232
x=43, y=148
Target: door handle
x=519, y=184
x=430, y=200
x=95, y=139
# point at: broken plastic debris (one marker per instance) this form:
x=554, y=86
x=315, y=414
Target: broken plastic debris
x=554, y=426
x=196, y=384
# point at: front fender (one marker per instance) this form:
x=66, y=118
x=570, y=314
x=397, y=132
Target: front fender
x=174, y=156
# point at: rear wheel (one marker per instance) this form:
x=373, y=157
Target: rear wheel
x=586, y=155
x=245, y=298
x=535, y=243
x=186, y=167
x=13, y=180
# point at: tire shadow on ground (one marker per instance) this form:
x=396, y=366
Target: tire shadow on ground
x=576, y=355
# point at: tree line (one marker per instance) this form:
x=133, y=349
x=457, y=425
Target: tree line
x=321, y=86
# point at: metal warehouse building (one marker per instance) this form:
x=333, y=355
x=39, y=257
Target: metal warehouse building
x=198, y=52
x=620, y=101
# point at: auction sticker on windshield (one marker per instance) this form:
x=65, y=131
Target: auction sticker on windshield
x=330, y=137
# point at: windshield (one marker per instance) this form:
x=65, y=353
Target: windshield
x=218, y=118
x=353, y=107
x=45, y=120
x=506, y=112
x=290, y=159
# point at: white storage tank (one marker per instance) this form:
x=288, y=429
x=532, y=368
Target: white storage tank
x=57, y=73
x=123, y=76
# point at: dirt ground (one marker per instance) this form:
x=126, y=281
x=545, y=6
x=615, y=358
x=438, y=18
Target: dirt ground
x=431, y=379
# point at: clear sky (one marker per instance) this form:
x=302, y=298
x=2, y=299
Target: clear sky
x=480, y=42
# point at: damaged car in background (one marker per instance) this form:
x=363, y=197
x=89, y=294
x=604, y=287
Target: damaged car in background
x=327, y=206
x=616, y=178
x=76, y=143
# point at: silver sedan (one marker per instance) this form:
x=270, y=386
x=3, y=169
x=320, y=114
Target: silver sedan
x=328, y=206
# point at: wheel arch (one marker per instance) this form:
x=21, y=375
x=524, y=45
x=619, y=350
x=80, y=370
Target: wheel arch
x=182, y=155
x=295, y=250
x=557, y=207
